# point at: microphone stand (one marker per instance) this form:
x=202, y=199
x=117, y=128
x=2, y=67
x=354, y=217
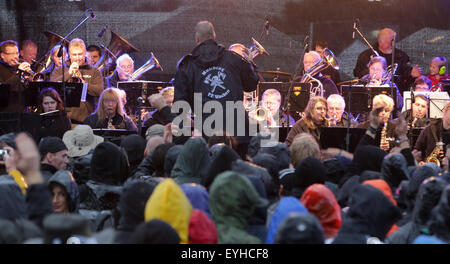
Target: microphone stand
x=349, y=100
x=61, y=49
x=286, y=104
x=365, y=40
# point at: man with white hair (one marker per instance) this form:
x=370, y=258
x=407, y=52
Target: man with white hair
x=309, y=60
x=336, y=116
x=385, y=48
x=124, y=68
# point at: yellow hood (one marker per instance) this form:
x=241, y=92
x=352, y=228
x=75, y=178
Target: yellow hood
x=169, y=203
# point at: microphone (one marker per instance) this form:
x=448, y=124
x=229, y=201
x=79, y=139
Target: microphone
x=267, y=25
x=102, y=32
x=306, y=43
x=92, y=13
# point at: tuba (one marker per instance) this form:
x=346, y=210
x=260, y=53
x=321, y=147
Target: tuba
x=328, y=60
x=117, y=46
x=152, y=63
x=249, y=54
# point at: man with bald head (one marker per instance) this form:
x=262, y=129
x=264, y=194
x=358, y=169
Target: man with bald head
x=384, y=47
x=309, y=60
x=218, y=74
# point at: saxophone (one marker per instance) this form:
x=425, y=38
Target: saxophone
x=437, y=154
x=384, y=144
x=110, y=125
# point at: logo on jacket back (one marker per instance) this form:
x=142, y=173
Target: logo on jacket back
x=215, y=77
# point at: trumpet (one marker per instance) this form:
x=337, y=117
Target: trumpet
x=76, y=75
x=35, y=77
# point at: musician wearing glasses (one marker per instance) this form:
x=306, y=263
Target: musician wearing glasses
x=378, y=76
x=310, y=59
x=384, y=47
x=336, y=115
x=9, y=63
x=124, y=68
x=271, y=103
x=56, y=61
x=313, y=119
x=110, y=113
x=78, y=70
x=385, y=132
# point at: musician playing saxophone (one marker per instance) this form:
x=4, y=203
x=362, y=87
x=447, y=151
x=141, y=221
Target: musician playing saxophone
x=387, y=104
x=432, y=134
x=80, y=70
x=110, y=113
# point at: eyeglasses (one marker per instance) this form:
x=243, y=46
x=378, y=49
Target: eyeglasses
x=11, y=53
x=126, y=67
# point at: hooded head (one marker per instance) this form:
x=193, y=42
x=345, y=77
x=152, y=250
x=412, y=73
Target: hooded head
x=439, y=224
x=232, y=201
x=368, y=157
x=171, y=158
x=193, y=162
x=134, y=145
x=309, y=171
x=132, y=203
x=371, y=213
x=202, y=229
x=394, y=169
x=198, y=196
x=279, y=150
x=255, y=144
x=286, y=206
x=64, y=180
x=300, y=229
x=109, y=164
x=320, y=201
x=159, y=157
x=221, y=162
x=169, y=203
x=155, y=231
x=428, y=197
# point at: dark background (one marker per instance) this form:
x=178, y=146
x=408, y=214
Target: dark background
x=165, y=27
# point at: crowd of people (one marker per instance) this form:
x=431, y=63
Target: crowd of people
x=165, y=187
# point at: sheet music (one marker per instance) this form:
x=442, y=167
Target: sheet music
x=438, y=100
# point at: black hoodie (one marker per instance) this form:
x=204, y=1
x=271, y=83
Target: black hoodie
x=371, y=214
x=218, y=74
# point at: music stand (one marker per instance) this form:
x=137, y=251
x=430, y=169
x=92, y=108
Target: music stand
x=298, y=99
x=335, y=137
x=19, y=122
x=112, y=135
x=76, y=92
x=362, y=96
x=4, y=94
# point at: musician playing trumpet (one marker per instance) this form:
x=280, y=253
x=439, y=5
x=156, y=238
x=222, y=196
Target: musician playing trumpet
x=78, y=70
x=123, y=71
x=10, y=67
x=336, y=116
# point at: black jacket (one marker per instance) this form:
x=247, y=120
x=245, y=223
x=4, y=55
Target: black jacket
x=428, y=137
x=112, y=80
x=118, y=121
x=11, y=96
x=217, y=74
x=47, y=171
x=55, y=125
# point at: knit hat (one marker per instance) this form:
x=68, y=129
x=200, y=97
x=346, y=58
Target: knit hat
x=81, y=140
x=51, y=145
x=155, y=130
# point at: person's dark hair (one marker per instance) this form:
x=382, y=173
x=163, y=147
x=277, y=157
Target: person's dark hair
x=54, y=95
x=159, y=156
x=224, y=138
x=91, y=48
x=27, y=43
x=7, y=43
x=320, y=43
x=421, y=80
